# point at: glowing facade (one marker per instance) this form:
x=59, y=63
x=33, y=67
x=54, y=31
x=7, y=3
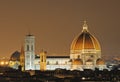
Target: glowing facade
x=43, y=61
x=29, y=52
x=85, y=53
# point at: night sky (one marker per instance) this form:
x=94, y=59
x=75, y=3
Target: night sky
x=55, y=23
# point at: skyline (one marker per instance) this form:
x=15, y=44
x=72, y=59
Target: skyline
x=56, y=23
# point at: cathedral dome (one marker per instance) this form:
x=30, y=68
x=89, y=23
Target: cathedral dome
x=100, y=62
x=15, y=56
x=77, y=62
x=85, y=40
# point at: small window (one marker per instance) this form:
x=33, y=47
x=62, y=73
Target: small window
x=48, y=62
x=32, y=47
x=92, y=56
x=65, y=62
x=27, y=47
x=42, y=60
x=56, y=62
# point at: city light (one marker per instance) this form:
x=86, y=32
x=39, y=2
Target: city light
x=4, y=61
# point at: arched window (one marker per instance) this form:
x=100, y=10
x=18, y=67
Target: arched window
x=41, y=58
x=27, y=47
x=32, y=47
x=78, y=56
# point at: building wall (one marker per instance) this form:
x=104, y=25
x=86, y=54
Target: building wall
x=29, y=52
x=88, y=57
x=54, y=63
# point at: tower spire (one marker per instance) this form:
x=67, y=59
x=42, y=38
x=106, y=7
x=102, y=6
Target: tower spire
x=85, y=26
x=22, y=59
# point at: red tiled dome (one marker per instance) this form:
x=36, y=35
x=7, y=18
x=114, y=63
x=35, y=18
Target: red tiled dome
x=85, y=41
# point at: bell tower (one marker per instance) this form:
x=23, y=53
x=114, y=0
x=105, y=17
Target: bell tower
x=29, y=52
x=43, y=61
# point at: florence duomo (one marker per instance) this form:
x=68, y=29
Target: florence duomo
x=59, y=40
x=85, y=53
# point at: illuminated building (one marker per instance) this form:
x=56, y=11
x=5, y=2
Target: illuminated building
x=29, y=52
x=43, y=61
x=14, y=61
x=85, y=53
